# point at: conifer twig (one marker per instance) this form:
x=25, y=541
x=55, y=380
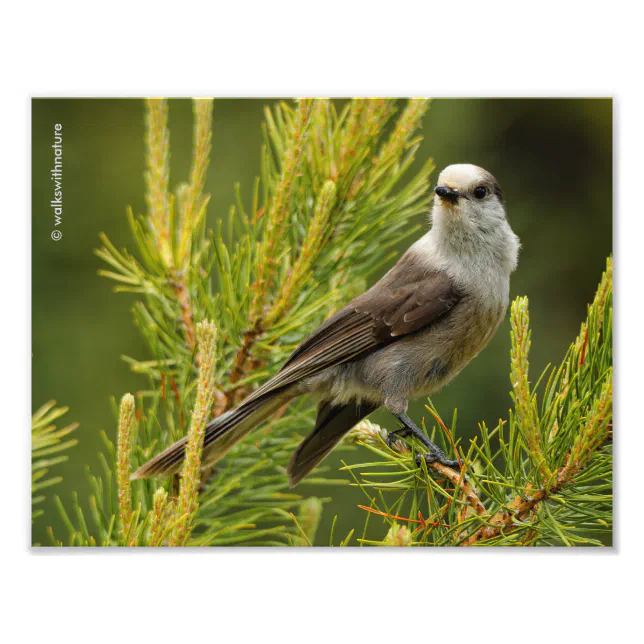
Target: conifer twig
x=187, y=502
x=460, y=482
x=458, y=479
x=158, y=519
x=193, y=199
x=46, y=444
x=124, y=451
x=405, y=127
x=278, y=211
x=315, y=238
x=157, y=176
x=525, y=404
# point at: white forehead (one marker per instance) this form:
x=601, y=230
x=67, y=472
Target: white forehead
x=460, y=175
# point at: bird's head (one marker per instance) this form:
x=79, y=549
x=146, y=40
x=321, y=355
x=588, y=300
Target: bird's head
x=469, y=212
x=469, y=195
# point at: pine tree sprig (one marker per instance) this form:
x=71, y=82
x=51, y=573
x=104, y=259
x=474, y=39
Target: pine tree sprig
x=160, y=516
x=157, y=175
x=123, y=467
x=192, y=200
x=524, y=402
x=317, y=235
x=278, y=210
x=47, y=443
x=187, y=503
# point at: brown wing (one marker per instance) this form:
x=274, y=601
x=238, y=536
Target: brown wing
x=406, y=300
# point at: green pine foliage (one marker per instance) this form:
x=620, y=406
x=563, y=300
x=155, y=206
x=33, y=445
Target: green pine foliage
x=541, y=477
x=47, y=443
x=221, y=309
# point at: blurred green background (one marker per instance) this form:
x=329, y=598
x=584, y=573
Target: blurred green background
x=553, y=158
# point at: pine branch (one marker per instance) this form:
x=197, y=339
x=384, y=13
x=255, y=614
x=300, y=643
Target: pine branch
x=546, y=480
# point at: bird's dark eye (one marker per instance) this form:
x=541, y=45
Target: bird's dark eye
x=480, y=192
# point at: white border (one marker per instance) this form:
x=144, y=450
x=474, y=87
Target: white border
x=331, y=48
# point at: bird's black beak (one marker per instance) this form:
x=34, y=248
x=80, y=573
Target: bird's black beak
x=447, y=193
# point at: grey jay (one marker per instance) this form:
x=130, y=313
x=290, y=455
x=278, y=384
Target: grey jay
x=406, y=337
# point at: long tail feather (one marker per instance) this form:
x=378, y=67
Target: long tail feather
x=221, y=434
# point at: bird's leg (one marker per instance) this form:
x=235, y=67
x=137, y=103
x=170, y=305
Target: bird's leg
x=435, y=452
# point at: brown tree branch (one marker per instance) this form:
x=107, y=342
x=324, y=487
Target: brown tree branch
x=461, y=482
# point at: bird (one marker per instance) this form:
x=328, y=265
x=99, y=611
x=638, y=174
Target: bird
x=406, y=337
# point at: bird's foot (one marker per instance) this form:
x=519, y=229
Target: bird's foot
x=433, y=457
x=435, y=453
